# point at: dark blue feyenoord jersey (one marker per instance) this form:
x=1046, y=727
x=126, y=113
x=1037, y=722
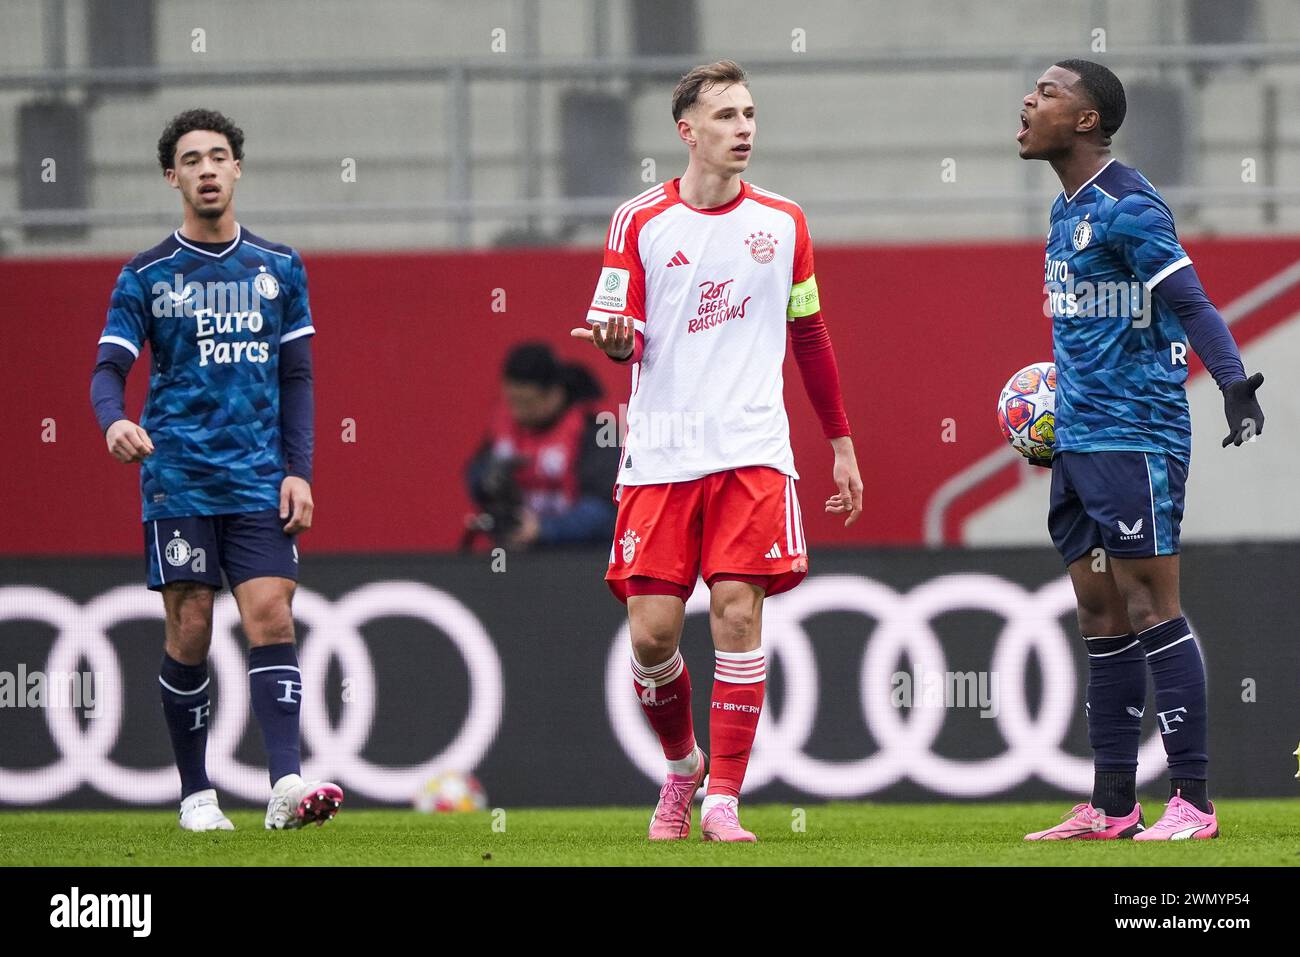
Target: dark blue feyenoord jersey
x=214, y=322
x=1119, y=353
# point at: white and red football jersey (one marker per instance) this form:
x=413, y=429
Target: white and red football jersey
x=711, y=291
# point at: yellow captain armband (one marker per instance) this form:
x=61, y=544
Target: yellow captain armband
x=803, y=299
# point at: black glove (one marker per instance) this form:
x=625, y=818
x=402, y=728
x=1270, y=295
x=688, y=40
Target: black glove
x=1245, y=417
x=1039, y=463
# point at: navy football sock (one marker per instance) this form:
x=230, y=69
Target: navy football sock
x=1179, y=678
x=1116, y=697
x=275, y=689
x=1193, y=791
x=186, y=707
x=1114, y=792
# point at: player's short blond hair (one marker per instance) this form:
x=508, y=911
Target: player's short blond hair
x=704, y=78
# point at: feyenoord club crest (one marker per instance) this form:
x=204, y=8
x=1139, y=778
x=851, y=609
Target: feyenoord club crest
x=1082, y=234
x=177, y=551
x=629, y=542
x=266, y=285
x=762, y=246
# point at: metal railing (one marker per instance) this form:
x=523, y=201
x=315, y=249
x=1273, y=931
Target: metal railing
x=490, y=209
x=462, y=209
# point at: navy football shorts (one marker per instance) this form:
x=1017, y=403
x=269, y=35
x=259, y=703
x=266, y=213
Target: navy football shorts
x=199, y=548
x=1129, y=503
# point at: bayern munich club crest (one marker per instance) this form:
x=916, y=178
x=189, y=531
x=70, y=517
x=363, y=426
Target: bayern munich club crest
x=178, y=550
x=629, y=542
x=266, y=285
x=1082, y=234
x=762, y=246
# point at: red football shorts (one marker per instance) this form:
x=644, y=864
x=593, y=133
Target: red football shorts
x=742, y=522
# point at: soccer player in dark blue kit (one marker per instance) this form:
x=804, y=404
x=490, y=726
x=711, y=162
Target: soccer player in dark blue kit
x=1123, y=445
x=225, y=453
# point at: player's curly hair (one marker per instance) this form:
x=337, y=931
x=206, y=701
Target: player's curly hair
x=1104, y=90
x=704, y=78
x=192, y=120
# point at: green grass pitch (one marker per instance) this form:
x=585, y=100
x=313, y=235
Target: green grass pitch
x=1254, y=833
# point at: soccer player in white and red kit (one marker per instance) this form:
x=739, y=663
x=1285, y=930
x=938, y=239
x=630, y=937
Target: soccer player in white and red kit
x=704, y=277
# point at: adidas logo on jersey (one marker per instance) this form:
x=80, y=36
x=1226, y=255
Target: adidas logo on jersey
x=679, y=259
x=773, y=552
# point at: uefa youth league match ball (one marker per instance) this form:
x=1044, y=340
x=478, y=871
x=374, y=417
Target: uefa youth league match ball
x=1027, y=411
x=451, y=792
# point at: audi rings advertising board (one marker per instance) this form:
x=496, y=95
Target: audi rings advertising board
x=895, y=675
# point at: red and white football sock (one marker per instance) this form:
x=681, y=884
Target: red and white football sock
x=665, y=694
x=738, y=682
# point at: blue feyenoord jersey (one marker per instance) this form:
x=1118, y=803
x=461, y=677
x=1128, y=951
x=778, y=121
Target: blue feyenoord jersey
x=1119, y=353
x=214, y=322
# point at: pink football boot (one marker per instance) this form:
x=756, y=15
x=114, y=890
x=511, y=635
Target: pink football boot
x=1182, y=820
x=1085, y=822
x=671, y=820
x=721, y=823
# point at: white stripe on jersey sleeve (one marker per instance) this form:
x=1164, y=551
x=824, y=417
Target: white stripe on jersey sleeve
x=622, y=210
x=126, y=344
x=623, y=217
x=298, y=334
x=1169, y=270
x=771, y=195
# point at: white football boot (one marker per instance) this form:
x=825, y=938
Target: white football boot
x=295, y=802
x=200, y=812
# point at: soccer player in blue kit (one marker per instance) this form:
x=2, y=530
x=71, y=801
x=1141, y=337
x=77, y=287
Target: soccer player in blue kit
x=225, y=453
x=1123, y=445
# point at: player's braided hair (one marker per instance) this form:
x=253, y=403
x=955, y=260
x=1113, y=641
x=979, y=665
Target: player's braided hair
x=704, y=78
x=1104, y=90
x=192, y=120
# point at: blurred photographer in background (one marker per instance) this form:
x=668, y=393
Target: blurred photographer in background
x=542, y=478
